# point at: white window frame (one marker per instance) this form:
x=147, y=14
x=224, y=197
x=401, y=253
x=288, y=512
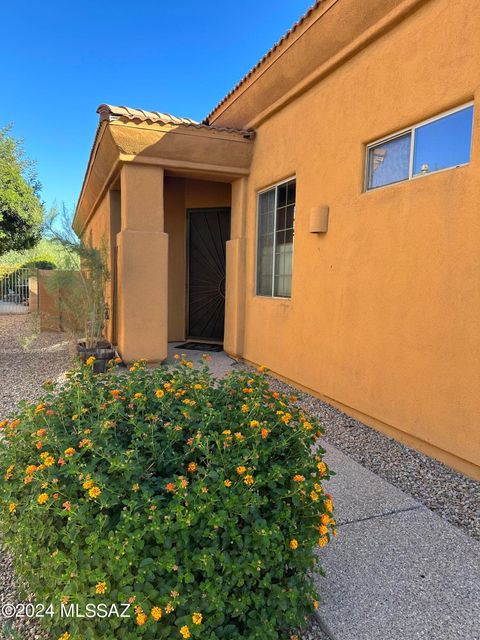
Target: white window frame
x=412, y=130
x=259, y=193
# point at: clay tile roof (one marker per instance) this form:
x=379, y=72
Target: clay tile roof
x=110, y=112
x=285, y=37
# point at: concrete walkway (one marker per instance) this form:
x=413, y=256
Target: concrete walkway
x=396, y=571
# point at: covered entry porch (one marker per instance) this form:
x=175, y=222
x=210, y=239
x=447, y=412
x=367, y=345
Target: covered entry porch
x=166, y=197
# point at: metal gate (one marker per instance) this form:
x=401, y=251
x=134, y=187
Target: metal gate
x=14, y=291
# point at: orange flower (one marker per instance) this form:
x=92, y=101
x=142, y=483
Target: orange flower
x=101, y=587
x=323, y=541
x=254, y=423
x=185, y=631
x=70, y=451
x=116, y=392
x=67, y=505
x=293, y=544
x=94, y=492
x=170, y=487
x=41, y=433
x=141, y=617
x=248, y=480
x=241, y=470
x=137, y=395
x=156, y=613
x=264, y=433
x=298, y=478
x=192, y=467
x=136, y=487
x=227, y=483
x=39, y=445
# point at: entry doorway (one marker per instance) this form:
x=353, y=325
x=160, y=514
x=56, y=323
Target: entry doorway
x=208, y=232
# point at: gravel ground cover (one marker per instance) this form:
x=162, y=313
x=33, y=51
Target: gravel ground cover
x=448, y=493
x=27, y=359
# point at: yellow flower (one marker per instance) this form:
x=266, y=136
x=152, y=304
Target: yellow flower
x=227, y=483
x=135, y=487
x=156, y=613
x=204, y=489
x=328, y=505
x=42, y=498
x=185, y=631
x=137, y=395
x=241, y=470
x=314, y=496
x=293, y=544
x=254, y=423
x=89, y=361
x=324, y=518
x=101, y=587
x=159, y=393
x=197, y=618
x=12, y=507
x=323, y=529
x=315, y=604
x=197, y=386
x=227, y=432
x=70, y=451
x=141, y=617
x=307, y=425
x=323, y=541
x=88, y=484
x=322, y=467
x=245, y=408
x=248, y=480
x=94, y=492
x=49, y=461
x=64, y=636
x=169, y=608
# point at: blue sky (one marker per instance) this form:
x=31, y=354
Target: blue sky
x=62, y=59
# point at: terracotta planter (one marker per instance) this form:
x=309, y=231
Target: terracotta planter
x=102, y=351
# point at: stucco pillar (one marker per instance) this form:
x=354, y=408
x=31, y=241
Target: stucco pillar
x=235, y=289
x=142, y=265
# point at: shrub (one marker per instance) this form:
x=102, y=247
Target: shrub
x=198, y=501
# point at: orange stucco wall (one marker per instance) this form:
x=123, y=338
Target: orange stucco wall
x=383, y=318
x=98, y=232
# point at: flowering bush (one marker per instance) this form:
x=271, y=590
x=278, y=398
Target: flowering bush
x=199, y=502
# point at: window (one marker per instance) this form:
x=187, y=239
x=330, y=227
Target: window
x=276, y=212
x=440, y=143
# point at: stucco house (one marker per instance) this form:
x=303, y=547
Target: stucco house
x=323, y=220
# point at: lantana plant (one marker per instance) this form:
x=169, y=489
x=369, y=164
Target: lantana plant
x=196, y=501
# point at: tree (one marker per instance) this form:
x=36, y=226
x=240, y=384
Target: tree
x=21, y=210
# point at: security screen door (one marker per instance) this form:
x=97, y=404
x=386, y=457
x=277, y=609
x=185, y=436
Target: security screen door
x=208, y=232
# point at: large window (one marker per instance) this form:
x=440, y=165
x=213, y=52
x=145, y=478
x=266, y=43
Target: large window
x=276, y=213
x=440, y=143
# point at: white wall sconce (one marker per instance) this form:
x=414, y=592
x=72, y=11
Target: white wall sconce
x=319, y=219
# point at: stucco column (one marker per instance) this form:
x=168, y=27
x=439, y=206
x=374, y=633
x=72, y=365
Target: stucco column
x=235, y=289
x=142, y=265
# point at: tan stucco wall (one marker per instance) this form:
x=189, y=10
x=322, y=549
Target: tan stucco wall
x=384, y=311
x=182, y=194
x=98, y=232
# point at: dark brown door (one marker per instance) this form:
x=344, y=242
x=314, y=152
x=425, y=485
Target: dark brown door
x=208, y=232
